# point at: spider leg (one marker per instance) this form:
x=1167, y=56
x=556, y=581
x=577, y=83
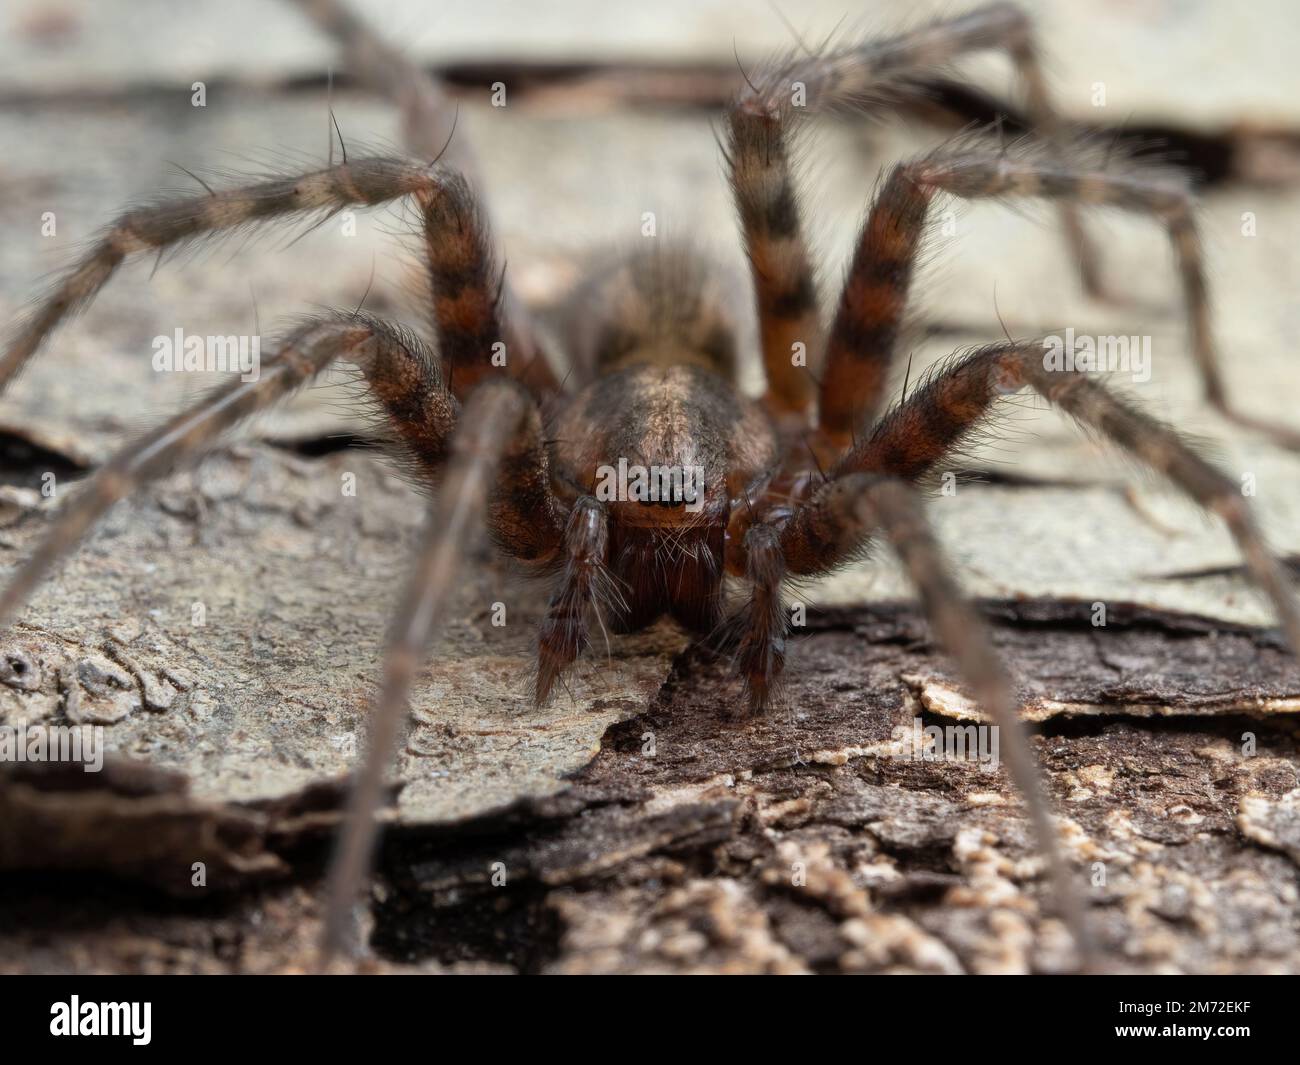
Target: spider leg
x=402, y=375
x=187, y=435
x=846, y=512
x=429, y=131
x=465, y=283
x=912, y=437
x=781, y=269
x=156, y=227
x=466, y=309
x=863, y=337
x=761, y=126
x=526, y=520
x=499, y=430
x=564, y=633
x=398, y=377
x=492, y=415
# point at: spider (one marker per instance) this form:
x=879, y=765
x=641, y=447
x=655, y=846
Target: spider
x=793, y=484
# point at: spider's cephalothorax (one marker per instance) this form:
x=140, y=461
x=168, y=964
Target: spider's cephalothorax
x=793, y=484
x=658, y=447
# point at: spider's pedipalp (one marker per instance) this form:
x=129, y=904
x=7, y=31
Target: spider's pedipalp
x=564, y=632
x=492, y=416
x=934, y=419
x=760, y=657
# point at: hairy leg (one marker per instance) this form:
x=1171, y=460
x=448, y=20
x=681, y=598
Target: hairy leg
x=934, y=419
x=429, y=130
x=852, y=508
x=455, y=524
x=761, y=127
x=864, y=334
x=465, y=286
x=403, y=378
x=154, y=228
x=863, y=338
x=762, y=183
x=398, y=378
x=467, y=290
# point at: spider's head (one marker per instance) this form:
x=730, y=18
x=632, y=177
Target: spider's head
x=660, y=446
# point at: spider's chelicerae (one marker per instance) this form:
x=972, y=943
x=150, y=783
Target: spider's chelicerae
x=792, y=484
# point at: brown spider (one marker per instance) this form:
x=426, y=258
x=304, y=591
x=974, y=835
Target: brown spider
x=794, y=484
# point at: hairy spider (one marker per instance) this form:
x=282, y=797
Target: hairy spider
x=793, y=484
